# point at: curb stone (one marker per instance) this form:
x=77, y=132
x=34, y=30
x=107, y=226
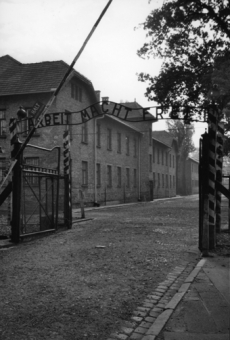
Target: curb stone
x=172, y=290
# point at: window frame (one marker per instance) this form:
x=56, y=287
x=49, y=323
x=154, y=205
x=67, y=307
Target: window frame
x=98, y=174
x=119, y=172
x=84, y=133
x=109, y=176
x=84, y=165
x=127, y=177
x=127, y=145
x=109, y=139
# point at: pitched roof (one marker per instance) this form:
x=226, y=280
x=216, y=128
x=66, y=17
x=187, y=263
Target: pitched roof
x=164, y=137
x=18, y=78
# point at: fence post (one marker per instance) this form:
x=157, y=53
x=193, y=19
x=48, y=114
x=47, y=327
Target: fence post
x=16, y=201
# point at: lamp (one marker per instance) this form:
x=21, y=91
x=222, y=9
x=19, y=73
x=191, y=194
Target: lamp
x=21, y=113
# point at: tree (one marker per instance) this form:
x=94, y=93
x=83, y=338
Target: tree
x=191, y=36
x=183, y=134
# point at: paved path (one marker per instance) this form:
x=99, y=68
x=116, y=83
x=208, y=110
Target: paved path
x=193, y=303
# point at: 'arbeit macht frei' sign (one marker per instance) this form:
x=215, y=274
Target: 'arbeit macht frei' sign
x=120, y=111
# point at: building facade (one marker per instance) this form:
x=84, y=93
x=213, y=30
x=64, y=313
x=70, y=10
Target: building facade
x=163, y=177
x=109, y=156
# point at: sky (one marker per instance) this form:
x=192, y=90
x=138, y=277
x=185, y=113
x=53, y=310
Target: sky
x=33, y=31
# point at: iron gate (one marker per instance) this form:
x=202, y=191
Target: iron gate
x=38, y=192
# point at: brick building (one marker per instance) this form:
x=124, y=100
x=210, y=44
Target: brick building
x=188, y=172
x=110, y=157
x=164, y=165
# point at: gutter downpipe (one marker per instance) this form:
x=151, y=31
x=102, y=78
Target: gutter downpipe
x=95, y=157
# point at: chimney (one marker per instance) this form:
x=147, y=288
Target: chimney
x=98, y=95
x=105, y=99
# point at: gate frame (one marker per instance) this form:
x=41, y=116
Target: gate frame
x=17, y=190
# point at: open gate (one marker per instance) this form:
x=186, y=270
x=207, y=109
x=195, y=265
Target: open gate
x=38, y=192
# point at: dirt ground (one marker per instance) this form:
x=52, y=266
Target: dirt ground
x=83, y=283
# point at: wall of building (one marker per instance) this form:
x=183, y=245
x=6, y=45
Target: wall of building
x=164, y=170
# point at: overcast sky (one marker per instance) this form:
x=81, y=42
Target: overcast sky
x=45, y=30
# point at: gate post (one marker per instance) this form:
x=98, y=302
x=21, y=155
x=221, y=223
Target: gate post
x=16, y=201
x=204, y=196
x=212, y=131
x=219, y=165
x=67, y=180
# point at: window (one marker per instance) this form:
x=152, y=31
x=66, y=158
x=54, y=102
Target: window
x=162, y=157
x=163, y=180
x=127, y=178
x=98, y=135
x=109, y=139
x=119, y=177
x=154, y=180
x=33, y=162
x=150, y=136
x=174, y=184
x=173, y=161
x=170, y=160
x=2, y=122
x=170, y=181
x=84, y=173
x=109, y=176
x=76, y=92
x=98, y=174
x=167, y=183
x=118, y=142
x=159, y=181
x=135, y=147
x=127, y=145
x=2, y=168
x=84, y=131
x=150, y=163
x=135, y=178
x=158, y=156
x=154, y=154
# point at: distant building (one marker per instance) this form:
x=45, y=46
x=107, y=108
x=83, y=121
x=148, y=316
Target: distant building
x=164, y=165
x=188, y=175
